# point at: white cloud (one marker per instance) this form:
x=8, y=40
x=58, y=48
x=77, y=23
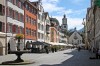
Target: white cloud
x=72, y=22
x=75, y=22
x=51, y=6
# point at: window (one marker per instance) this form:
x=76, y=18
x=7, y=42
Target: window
x=42, y=27
x=35, y=33
x=26, y=31
x=2, y=9
x=10, y=28
x=22, y=5
x=30, y=9
x=3, y=27
x=16, y=29
x=39, y=16
x=16, y=15
x=26, y=18
x=0, y=26
x=38, y=25
x=21, y=29
x=35, y=12
x=42, y=37
x=10, y=12
x=30, y=32
x=27, y=6
x=64, y=26
x=29, y=19
x=39, y=35
x=80, y=41
x=21, y=18
x=32, y=21
x=17, y=2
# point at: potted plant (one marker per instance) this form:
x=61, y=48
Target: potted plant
x=19, y=37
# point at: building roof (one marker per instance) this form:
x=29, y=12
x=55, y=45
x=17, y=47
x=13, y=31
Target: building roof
x=46, y=13
x=54, y=20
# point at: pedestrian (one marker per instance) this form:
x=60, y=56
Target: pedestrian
x=46, y=49
x=55, y=49
x=79, y=48
x=52, y=49
x=98, y=53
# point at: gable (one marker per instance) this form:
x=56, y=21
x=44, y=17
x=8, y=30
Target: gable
x=77, y=34
x=48, y=19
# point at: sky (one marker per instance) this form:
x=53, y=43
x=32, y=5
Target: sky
x=75, y=11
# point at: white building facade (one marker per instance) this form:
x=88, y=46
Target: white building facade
x=75, y=39
x=15, y=18
x=3, y=45
x=41, y=23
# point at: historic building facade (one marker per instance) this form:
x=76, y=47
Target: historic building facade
x=3, y=45
x=30, y=22
x=47, y=28
x=93, y=22
x=75, y=38
x=40, y=21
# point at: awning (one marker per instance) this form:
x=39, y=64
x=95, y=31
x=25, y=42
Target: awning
x=38, y=43
x=58, y=44
x=46, y=43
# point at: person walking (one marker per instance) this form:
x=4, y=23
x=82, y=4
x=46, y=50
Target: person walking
x=46, y=49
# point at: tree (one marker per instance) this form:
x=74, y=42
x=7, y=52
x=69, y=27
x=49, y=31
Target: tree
x=97, y=3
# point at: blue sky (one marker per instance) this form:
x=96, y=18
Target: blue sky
x=75, y=10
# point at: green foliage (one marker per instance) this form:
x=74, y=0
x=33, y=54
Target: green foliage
x=97, y=3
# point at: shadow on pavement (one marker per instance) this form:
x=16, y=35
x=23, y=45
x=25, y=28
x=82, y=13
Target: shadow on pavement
x=16, y=63
x=79, y=58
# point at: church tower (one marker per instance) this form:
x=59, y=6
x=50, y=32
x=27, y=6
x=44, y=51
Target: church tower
x=64, y=23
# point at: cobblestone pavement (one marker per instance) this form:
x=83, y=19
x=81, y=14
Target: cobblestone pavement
x=70, y=57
